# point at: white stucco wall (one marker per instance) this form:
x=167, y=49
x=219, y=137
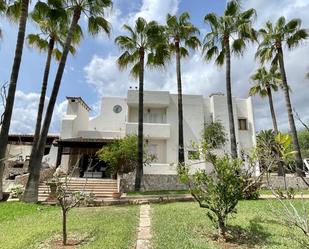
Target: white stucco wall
x=197, y=111
x=108, y=120
x=76, y=119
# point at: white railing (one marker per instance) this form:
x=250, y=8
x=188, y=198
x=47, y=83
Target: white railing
x=151, y=130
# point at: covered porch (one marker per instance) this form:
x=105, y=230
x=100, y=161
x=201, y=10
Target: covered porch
x=77, y=156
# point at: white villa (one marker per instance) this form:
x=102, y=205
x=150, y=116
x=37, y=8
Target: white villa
x=83, y=136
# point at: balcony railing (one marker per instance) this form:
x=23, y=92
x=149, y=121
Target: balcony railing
x=151, y=130
x=158, y=99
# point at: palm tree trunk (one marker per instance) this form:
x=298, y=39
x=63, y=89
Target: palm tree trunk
x=230, y=99
x=31, y=191
x=299, y=161
x=181, y=154
x=43, y=94
x=272, y=109
x=12, y=88
x=140, y=161
x=281, y=171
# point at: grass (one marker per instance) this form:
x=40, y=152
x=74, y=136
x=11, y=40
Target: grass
x=159, y=192
x=186, y=226
x=26, y=226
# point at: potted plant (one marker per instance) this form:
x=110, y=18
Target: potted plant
x=116, y=195
x=17, y=191
x=53, y=186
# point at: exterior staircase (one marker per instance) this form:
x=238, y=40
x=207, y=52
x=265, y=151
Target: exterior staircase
x=102, y=189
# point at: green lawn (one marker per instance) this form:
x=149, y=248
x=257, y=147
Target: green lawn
x=186, y=226
x=25, y=226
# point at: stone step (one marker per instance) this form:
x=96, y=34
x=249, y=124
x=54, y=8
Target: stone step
x=101, y=188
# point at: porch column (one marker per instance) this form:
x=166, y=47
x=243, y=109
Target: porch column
x=59, y=155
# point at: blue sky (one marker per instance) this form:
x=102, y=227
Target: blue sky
x=92, y=72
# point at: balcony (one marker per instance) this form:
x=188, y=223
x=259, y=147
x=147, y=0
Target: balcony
x=158, y=99
x=151, y=130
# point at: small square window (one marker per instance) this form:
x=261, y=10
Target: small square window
x=242, y=124
x=193, y=155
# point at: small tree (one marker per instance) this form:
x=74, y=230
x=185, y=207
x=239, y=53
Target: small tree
x=218, y=192
x=122, y=155
x=214, y=134
x=68, y=200
x=229, y=181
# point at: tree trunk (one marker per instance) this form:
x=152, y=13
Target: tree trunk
x=31, y=191
x=43, y=94
x=140, y=152
x=181, y=153
x=230, y=99
x=64, y=227
x=12, y=88
x=272, y=109
x=281, y=171
x=299, y=161
x=222, y=228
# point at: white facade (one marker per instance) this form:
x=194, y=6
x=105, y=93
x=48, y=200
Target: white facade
x=119, y=117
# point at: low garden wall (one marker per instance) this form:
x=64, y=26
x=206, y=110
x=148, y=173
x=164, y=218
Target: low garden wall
x=171, y=182
x=44, y=175
x=152, y=183
x=279, y=182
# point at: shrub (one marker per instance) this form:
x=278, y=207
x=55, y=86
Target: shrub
x=121, y=155
x=218, y=192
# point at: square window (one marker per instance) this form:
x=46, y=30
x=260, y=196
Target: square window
x=242, y=124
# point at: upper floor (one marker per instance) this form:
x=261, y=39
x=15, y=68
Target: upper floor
x=119, y=117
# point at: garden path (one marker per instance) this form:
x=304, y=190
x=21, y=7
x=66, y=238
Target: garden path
x=144, y=229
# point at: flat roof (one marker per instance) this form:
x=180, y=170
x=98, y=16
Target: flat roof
x=80, y=99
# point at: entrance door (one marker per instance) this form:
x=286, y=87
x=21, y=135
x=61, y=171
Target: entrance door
x=92, y=167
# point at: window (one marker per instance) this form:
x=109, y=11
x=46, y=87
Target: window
x=193, y=155
x=153, y=150
x=242, y=124
x=153, y=116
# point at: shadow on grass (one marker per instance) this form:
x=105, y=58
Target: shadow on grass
x=250, y=236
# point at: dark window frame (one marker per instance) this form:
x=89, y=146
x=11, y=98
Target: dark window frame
x=240, y=124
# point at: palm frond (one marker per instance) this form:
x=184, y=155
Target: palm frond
x=13, y=11
x=34, y=40
x=232, y=8
x=57, y=54
x=127, y=58
x=221, y=58
x=97, y=24
x=135, y=70
x=210, y=53
x=296, y=38
x=238, y=46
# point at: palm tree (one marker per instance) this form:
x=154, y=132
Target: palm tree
x=94, y=11
x=144, y=40
x=229, y=34
x=181, y=34
x=7, y=115
x=266, y=82
x=274, y=37
x=3, y=6
x=54, y=25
